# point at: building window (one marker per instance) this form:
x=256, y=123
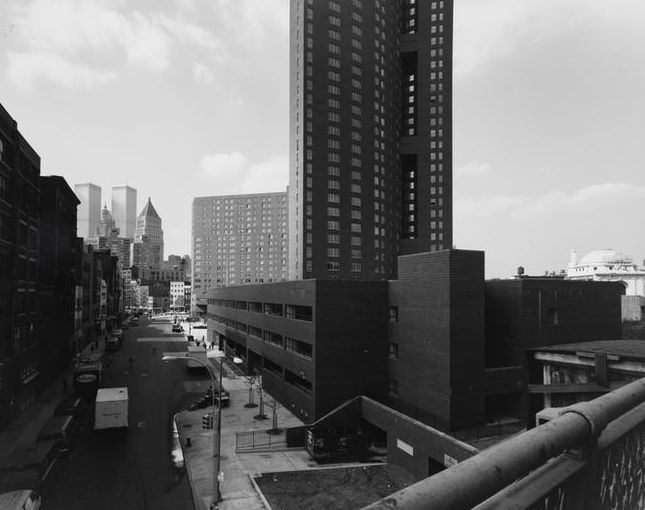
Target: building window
x=272, y=338
x=393, y=350
x=393, y=387
x=393, y=314
x=553, y=316
x=298, y=380
x=297, y=347
x=298, y=312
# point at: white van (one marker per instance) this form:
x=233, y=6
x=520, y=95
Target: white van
x=20, y=500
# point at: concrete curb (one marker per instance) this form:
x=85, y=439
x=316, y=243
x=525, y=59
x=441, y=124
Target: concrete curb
x=198, y=503
x=259, y=491
x=268, y=450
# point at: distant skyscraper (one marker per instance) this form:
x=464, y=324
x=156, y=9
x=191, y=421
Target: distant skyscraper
x=89, y=211
x=239, y=239
x=107, y=226
x=107, y=237
x=371, y=135
x=124, y=209
x=147, y=250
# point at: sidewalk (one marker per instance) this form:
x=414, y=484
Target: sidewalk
x=23, y=431
x=238, y=489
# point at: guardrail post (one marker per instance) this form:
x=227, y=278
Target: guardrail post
x=592, y=492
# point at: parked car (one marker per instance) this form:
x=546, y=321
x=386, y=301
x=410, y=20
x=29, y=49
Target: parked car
x=224, y=395
x=28, y=467
x=118, y=333
x=20, y=500
x=199, y=404
x=176, y=328
x=72, y=406
x=112, y=344
x=62, y=429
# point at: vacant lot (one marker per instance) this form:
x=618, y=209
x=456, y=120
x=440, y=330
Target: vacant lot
x=332, y=489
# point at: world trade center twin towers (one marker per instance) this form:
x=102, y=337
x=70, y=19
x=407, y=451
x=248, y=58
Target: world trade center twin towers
x=370, y=135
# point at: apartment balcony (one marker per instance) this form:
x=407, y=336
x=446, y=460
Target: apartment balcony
x=590, y=457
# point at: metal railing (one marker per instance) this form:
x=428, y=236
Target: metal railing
x=591, y=457
x=259, y=439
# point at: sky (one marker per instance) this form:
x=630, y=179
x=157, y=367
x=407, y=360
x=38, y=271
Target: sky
x=186, y=98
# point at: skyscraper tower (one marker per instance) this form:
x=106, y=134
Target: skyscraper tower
x=89, y=210
x=370, y=141
x=426, y=130
x=107, y=226
x=124, y=209
x=147, y=249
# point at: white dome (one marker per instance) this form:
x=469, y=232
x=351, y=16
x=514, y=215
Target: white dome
x=608, y=256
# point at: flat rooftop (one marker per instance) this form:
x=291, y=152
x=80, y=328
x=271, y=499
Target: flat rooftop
x=625, y=348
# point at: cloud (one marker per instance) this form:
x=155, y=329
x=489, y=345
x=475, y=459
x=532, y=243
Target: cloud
x=252, y=24
x=202, y=74
x=148, y=43
x=593, y=198
x=24, y=68
x=494, y=29
x=473, y=168
x=224, y=165
x=105, y=34
x=189, y=33
x=538, y=231
x=69, y=25
x=234, y=173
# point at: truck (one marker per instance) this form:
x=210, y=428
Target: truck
x=111, y=411
x=88, y=374
x=118, y=334
x=196, y=351
x=112, y=344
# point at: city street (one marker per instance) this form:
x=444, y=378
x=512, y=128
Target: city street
x=137, y=469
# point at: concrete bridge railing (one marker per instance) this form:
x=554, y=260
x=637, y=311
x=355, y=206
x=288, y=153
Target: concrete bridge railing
x=591, y=457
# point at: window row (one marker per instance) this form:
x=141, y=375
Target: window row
x=298, y=312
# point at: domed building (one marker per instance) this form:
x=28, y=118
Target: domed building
x=612, y=265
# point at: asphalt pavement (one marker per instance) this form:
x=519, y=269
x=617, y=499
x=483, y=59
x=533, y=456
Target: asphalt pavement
x=138, y=469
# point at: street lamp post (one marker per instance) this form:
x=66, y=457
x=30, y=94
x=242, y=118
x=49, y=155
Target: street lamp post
x=217, y=435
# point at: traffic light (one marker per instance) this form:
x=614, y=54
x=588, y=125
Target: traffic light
x=207, y=421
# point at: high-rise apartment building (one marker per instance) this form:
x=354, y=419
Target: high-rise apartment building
x=89, y=210
x=239, y=239
x=147, y=249
x=124, y=209
x=371, y=129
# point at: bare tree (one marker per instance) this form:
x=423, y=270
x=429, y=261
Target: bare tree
x=261, y=415
x=274, y=405
x=251, y=380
